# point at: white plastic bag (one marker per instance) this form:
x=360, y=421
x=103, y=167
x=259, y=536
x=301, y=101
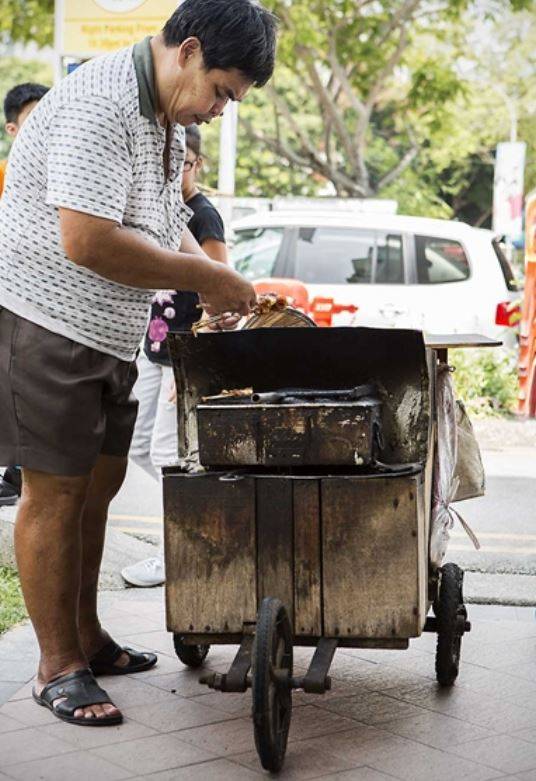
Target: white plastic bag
x=469, y=467
x=445, y=483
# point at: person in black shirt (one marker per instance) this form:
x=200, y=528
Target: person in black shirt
x=154, y=444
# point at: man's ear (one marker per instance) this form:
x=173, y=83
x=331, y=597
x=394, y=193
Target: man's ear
x=190, y=48
x=199, y=163
x=12, y=129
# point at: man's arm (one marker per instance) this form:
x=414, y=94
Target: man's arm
x=122, y=255
x=213, y=248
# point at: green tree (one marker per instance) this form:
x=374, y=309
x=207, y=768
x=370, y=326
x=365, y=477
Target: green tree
x=382, y=79
x=15, y=71
x=27, y=20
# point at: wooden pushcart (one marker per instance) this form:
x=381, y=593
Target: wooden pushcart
x=268, y=547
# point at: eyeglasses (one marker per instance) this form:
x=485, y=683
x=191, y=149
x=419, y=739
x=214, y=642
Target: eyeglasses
x=189, y=164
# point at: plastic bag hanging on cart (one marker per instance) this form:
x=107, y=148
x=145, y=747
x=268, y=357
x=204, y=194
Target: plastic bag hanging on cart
x=469, y=466
x=446, y=484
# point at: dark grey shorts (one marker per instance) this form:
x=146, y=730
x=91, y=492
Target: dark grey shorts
x=61, y=404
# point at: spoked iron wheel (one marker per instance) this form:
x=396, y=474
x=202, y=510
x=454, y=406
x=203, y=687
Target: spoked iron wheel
x=190, y=655
x=451, y=617
x=271, y=674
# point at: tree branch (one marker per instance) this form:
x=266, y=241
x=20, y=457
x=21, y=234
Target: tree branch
x=340, y=73
x=399, y=168
x=342, y=182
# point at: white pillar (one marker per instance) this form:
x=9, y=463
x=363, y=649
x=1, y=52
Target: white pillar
x=227, y=170
x=58, y=39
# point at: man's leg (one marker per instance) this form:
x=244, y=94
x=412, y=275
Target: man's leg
x=106, y=480
x=49, y=553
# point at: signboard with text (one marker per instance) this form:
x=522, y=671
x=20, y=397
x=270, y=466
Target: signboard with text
x=93, y=27
x=508, y=191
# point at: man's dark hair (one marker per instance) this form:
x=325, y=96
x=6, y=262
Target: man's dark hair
x=237, y=34
x=19, y=97
x=193, y=139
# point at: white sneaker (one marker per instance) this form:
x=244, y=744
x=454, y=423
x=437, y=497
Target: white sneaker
x=147, y=573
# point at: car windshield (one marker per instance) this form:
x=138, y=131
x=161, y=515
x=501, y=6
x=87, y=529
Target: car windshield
x=255, y=251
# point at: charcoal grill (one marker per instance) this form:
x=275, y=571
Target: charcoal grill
x=302, y=515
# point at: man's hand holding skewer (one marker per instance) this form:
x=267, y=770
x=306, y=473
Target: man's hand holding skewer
x=226, y=299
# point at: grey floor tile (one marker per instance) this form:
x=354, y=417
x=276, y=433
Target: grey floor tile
x=128, y=691
x=157, y=640
x=493, y=714
x=23, y=692
x=77, y=765
x=503, y=752
x=9, y=725
x=310, y=721
x=358, y=774
x=402, y=758
x=152, y=754
x=372, y=708
x=181, y=681
x=28, y=744
x=18, y=670
x=83, y=739
x=8, y=691
x=230, y=737
x=130, y=624
x=218, y=770
x=174, y=714
x=299, y=764
x=28, y=713
x=436, y=730
x=238, y=705
x=166, y=664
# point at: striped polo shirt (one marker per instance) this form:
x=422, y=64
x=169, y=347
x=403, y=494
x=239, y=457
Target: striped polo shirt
x=93, y=144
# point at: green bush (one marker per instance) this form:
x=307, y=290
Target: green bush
x=486, y=381
x=12, y=608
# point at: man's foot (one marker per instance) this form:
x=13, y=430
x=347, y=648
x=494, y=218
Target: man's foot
x=74, y=688
x=147, y=573
x=10, y=486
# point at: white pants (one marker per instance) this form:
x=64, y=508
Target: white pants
x=154, y=443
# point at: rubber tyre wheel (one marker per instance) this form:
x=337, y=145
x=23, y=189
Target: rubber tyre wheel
x=190, y=655
x=449, y=606
x=272, y=701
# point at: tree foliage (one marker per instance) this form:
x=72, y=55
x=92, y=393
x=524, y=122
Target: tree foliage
x=14, y=71
x=27, y=20
x=368, y=97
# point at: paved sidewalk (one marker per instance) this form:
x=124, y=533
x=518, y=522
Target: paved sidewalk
x=384, y=719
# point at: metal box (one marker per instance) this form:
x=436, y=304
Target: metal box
x=344, y=433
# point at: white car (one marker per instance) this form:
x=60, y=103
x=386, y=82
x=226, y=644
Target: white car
x=439, y=276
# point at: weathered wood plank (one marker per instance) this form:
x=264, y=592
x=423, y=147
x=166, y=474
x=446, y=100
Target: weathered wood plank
x=373, y=547
x=307, y=558
x=275, y=576
x=210, y=553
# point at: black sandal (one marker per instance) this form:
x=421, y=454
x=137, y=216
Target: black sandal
x=104, y=661
x=76, y=690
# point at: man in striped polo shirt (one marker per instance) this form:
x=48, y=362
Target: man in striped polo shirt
x=91, y=223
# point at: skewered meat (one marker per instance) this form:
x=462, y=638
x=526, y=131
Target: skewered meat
x=270, y=302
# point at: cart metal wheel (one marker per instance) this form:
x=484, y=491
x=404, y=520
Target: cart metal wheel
x=451, y=618
x=271, y=684
x=190, y=655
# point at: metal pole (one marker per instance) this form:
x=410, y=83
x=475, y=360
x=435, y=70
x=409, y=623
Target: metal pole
x=59, y=8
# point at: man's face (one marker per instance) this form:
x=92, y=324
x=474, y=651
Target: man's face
x=12, y=128
x=196, y=95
